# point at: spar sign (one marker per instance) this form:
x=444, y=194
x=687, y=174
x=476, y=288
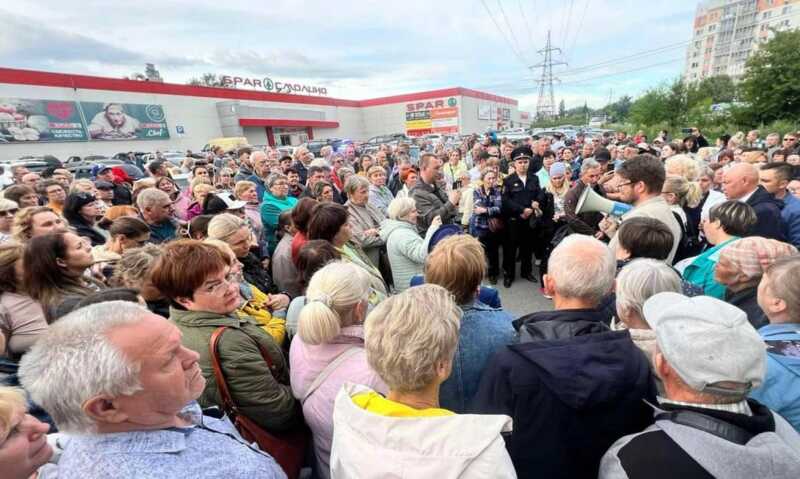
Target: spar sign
x=432, y=116
x=271, y=85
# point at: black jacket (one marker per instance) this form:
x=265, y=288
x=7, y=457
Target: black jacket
x=82, y=229
x=517, y=197
x=654, y=455
x=747, y=301
x=572, y=387
x=768, y=211
x=122, y=195
x=255, y=274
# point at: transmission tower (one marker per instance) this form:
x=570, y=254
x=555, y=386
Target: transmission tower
x=546, y=106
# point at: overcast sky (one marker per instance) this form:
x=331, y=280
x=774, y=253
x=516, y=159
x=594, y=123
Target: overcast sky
x=361, y=49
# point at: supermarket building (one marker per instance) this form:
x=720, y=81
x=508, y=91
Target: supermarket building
x=54, y=113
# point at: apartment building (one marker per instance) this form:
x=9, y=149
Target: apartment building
x=727, y=32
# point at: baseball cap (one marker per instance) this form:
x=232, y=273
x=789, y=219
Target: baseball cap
x=221, y=202
x=707, y=342
x=558, y=168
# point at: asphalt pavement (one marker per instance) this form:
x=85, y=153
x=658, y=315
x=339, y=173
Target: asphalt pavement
x=523, y=297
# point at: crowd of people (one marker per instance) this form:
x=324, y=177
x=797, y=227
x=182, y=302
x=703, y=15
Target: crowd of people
x=336, y=316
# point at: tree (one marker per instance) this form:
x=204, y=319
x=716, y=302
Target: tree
x=562, y=109
x=208, y=79
x=769, y=86
x=620, y=109
x=718, y=89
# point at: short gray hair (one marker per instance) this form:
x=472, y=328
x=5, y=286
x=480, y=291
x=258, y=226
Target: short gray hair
x=400, y=207
x=274, y=177
x=589, y=164
x=75, y=361
x=642, y=278
x=150, y=196
x=582, y=267
x=407, y=334
x=354, y=183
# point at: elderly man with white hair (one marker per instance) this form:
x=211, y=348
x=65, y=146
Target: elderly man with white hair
x=741, y=183
x=116, y=379
x=571, y=385
x=709, y=358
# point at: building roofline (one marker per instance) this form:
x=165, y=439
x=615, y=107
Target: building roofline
x=68, y=80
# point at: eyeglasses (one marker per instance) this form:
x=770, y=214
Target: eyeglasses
x=790, y=139
x=230, y=278
x=624, y=184
x=9, y=213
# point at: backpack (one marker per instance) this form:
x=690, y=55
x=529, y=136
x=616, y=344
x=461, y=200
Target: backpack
x=689, y=244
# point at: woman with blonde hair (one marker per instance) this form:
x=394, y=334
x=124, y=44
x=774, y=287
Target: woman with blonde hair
x=236, y=233
x=684, y=197
x=246, y=191
x=23, y=438
x=410, y=340
x=328, y=350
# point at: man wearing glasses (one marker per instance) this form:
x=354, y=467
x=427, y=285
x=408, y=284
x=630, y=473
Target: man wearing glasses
x=790, y=142
x=640, y=181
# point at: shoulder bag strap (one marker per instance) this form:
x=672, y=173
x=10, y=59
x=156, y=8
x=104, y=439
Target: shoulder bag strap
x=331, y=367
x=708, y=424
x=227, y=401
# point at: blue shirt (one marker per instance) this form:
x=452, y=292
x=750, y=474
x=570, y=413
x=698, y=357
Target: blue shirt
x=790, y=214
x=780, y=390
x=212, y=448
x=483, y=331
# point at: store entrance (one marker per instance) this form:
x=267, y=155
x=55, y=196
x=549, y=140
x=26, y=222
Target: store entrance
x=291, y=136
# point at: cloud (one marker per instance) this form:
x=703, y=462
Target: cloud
x=26, y=40
x=289, y=62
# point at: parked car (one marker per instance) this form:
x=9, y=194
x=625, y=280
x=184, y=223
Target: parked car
x=381, y=139
x=33, y=165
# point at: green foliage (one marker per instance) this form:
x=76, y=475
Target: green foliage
x=770, y=87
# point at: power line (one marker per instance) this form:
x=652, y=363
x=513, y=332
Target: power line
x=647, y=67
x=627, y=58
x=524, y=89
x=525, y=21
x=508, y=24
x=571, y=49
x=596, y=66
x=505, y=37
x=565, y=33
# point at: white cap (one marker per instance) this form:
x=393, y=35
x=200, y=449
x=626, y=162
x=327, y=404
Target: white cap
x=707, y=341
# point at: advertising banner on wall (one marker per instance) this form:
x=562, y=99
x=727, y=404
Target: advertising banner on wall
x=484, y=111
x=26, y=120
x=125, y=121
x=432, y=116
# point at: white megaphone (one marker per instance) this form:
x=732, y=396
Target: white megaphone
x=590, y=202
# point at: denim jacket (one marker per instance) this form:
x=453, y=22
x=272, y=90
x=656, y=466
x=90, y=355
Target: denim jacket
x=483, y=331
x=780, y=390
x=479, y=223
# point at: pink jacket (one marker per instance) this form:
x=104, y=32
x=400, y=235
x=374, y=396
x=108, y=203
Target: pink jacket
x=307, y=362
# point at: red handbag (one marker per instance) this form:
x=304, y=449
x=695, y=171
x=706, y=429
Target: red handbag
x=287, y=448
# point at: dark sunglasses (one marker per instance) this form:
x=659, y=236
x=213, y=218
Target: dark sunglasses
x=10, y=212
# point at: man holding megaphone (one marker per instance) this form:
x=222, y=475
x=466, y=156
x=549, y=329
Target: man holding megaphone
x=584, y=222
x=640, y=181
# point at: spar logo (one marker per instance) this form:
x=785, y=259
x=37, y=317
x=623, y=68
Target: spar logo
x=273, y=86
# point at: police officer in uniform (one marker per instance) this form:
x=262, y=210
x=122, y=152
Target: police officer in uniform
x=522, y=196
